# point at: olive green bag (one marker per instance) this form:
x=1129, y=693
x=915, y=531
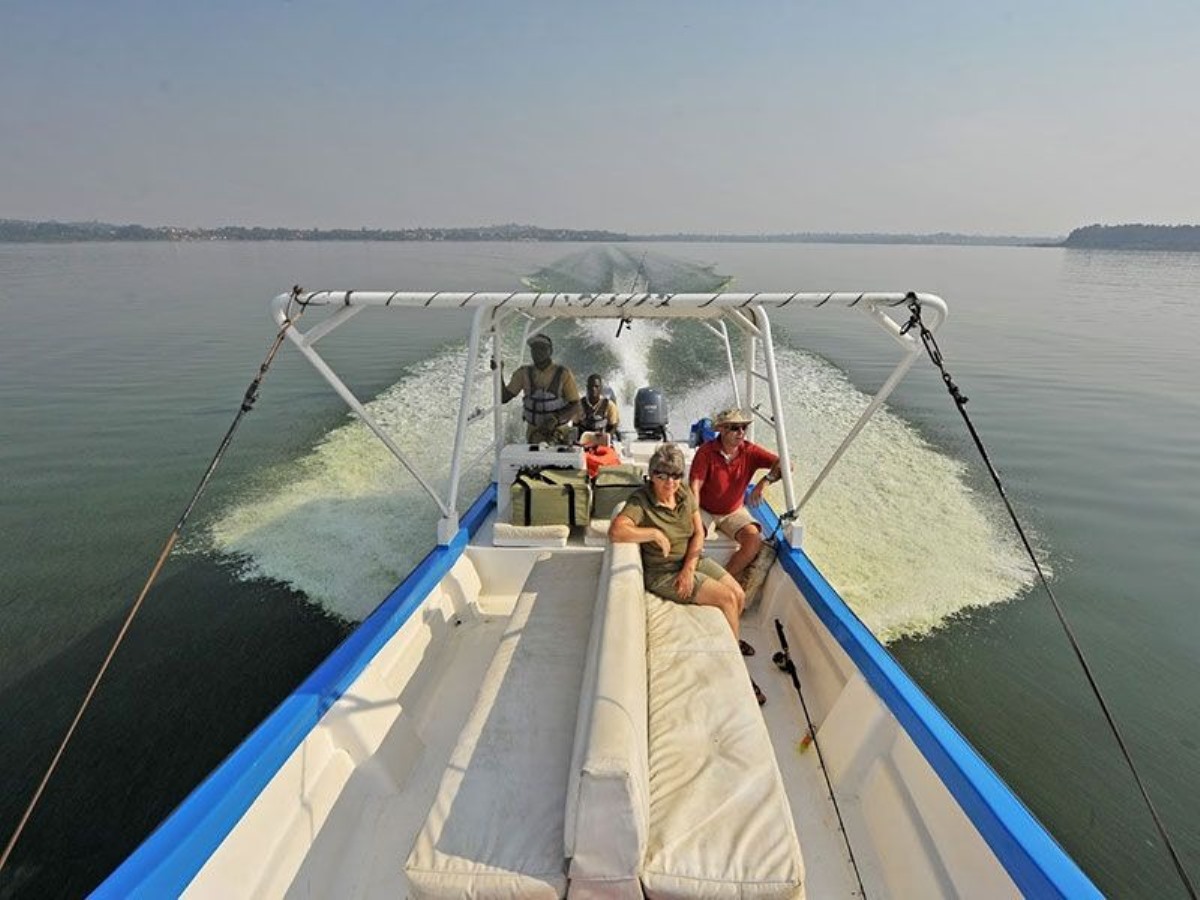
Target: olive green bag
x=551, y=497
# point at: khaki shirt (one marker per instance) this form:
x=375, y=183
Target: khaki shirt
x=531, y=378
x=607, y=408
x=644, y=511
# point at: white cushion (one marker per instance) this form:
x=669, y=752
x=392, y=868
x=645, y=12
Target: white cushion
x=496, y=826
x=720, y=824
x=609, y=806
x=506, y=535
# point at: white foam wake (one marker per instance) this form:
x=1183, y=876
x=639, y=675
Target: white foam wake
x=346, y=522
x=896, y=529
x=633, y=348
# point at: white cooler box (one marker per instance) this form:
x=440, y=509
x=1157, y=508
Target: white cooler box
x=515, y=457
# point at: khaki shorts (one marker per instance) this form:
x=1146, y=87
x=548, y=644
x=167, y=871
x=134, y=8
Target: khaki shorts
x=731, y=523
x=662, y=582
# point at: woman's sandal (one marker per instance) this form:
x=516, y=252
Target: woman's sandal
x=758, y=694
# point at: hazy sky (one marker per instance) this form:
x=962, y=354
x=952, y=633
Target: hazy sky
x=738, y=116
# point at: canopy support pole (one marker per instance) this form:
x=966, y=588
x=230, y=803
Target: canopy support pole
x=303, y=345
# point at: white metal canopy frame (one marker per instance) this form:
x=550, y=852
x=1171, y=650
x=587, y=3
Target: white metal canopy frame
x=748, y=313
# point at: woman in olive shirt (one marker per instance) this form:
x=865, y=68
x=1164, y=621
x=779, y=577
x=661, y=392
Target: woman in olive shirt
x=664, y=518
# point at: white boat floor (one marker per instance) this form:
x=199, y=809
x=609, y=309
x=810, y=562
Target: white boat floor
x=370, y=863
x=828, y=872
x=363, y=855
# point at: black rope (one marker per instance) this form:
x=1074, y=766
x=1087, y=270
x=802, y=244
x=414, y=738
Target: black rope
x=248, y=400
x=783, y=659
x=960, y=402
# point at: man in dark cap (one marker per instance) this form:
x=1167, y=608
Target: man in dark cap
x=551, y=396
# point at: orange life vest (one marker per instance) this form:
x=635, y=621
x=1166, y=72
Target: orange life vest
x=600, y=456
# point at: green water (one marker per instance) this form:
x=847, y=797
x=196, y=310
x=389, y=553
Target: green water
x=121, y=367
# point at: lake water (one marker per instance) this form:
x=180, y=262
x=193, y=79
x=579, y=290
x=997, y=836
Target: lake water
x=122, y=365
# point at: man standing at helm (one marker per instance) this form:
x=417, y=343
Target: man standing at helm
x=551, y=398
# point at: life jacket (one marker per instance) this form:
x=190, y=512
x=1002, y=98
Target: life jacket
x=596, y=457
x=539, y=401
x=595, y=418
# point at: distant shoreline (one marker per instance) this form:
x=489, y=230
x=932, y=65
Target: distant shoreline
x=1184, y=238
x=20, y=231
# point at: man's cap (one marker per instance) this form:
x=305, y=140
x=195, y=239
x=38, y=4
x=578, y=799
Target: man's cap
x=731, y=417
x=541, y=339
x=667, y=458
x=594, y=379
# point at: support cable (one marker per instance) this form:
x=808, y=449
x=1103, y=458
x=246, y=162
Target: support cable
x=960, y=401
x=248, y=400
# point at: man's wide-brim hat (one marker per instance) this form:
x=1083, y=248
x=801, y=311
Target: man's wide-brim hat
x=731, y=417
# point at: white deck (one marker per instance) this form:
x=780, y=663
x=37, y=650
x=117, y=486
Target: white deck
x=340, y=815
x=365, y=779
x=359, y=825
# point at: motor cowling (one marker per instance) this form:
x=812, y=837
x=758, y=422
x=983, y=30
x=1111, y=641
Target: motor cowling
x=650, y=414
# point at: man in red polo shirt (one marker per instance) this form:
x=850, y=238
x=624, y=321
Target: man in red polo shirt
x=721, y=471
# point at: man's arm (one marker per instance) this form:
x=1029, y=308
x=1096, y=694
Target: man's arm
x=515, y=385
x=770, y=460
x=569, y=414
x=573, y=411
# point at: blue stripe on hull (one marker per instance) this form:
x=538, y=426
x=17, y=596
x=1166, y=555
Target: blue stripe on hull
x=1032, y=858
x=165, y=864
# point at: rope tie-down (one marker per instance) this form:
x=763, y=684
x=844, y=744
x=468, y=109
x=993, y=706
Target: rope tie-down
x=960, y=402
x=247, y=404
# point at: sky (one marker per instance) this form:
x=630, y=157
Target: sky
x=998, y=118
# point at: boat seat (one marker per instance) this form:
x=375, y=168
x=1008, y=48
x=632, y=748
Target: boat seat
x=608, y=807
x=675, y=791
x=512, y=758
x=720, y=823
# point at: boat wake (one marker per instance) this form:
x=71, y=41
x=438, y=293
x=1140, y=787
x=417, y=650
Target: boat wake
x=895, y=528
x=345, y=523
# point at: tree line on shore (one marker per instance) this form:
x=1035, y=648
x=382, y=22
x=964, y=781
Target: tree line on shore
x=1116, y=237
x=1135, y=237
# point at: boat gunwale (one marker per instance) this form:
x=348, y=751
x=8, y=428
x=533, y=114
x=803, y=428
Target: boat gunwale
x=175, y=852
x=1035, y=861
x=167, y=861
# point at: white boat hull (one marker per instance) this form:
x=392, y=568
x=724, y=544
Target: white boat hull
x=327, y=797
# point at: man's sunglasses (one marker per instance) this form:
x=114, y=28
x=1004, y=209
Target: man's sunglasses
x=736, y=427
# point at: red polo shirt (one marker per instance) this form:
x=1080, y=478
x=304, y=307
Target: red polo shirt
x=725, y=481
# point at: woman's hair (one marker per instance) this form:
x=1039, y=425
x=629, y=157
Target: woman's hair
x=667, y=458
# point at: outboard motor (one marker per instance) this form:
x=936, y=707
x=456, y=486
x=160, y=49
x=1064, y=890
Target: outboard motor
x=650, y=415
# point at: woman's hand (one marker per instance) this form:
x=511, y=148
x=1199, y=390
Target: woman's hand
x=663, y=542
x=685, y=581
